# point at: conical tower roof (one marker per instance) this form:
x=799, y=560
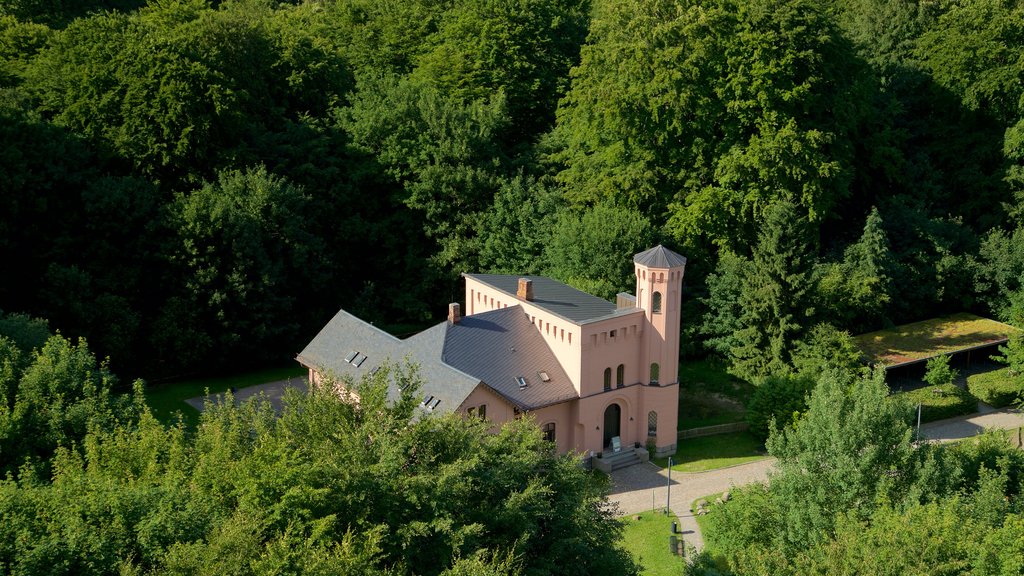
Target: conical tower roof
x=659, y=257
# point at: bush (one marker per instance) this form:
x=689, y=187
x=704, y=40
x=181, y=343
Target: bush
x=997, y=387
x=939, y=402
x=780, y=397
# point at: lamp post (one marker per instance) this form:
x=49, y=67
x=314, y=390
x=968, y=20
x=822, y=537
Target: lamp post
x=668, y=491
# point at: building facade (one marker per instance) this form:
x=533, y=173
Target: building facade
x=593, y=374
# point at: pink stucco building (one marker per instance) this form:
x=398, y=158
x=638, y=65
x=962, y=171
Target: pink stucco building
x=591, y=373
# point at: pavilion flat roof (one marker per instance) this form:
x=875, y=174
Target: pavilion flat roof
x=920, y=341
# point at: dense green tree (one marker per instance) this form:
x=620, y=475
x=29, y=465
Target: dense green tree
x=328, y=487
x=774, y=301
x=709, y=113
x=722, y=319
x=51, y=398
x=439, y=150
x=999, y=273
x=857, y=291
x=850, y=452
x=826, y=348
x=521, y=49
x=242, y=242
x=593, y=250
x=778, y=402
x=517, y=227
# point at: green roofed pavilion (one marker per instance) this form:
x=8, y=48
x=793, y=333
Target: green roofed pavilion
x=920, y=341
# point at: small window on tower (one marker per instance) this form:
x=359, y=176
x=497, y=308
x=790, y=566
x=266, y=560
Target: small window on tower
x=656, y=303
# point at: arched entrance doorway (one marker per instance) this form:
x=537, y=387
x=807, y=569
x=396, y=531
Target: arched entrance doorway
x=612, y=419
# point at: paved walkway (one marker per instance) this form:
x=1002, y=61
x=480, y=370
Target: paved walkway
x=645, y=486
x=962, y=427
x=272, y=391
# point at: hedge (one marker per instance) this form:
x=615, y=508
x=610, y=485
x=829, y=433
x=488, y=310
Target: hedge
x=997, y=388
x=940, y=402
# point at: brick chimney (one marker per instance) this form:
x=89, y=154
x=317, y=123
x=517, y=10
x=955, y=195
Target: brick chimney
x=525, y=290
x=454, y=313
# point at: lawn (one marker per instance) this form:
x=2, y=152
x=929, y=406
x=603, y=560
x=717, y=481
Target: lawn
x=711, y=452
x=647, y=540
x=929, y=338
x=165, y=400
x=709, y=395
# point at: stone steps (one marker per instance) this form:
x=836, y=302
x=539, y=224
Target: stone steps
x=609, y=461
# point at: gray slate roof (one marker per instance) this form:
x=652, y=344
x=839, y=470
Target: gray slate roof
x=498, y=346
x=553, y=296
x=346, y=334
x=659, y=257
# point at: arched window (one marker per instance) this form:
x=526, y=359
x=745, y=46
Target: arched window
x=620, y=376
x=607, y=379
x=652, y=423
x=656, y=303
x=655, y=370
x=549, y=431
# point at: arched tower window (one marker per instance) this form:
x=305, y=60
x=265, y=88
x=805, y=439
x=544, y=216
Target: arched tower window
x=620, y=376
x=607, y=379
x=655, y=369
x=652, y=423
x=656, y=303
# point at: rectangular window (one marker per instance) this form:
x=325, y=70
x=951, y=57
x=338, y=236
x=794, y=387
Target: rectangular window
x=483, y=410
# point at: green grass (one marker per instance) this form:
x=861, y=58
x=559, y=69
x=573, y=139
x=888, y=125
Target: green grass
x=703, y=520
x=709, y=395
x=929, y=338
x=997, y=388
x=166, y=400
x=647, y=540
x=940, y=402
x=711, y=452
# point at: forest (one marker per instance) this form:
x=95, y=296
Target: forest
x=190, y=185
x=193, y=185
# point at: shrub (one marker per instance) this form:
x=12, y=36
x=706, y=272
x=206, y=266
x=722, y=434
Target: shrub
x=783, y=398
x=998, y=387
x=939, y=373
x=939, y=402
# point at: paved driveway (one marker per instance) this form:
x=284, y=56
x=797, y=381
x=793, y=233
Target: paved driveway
x=272, y=391
x=645, y=486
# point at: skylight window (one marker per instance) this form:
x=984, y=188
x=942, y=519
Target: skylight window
x=351, y=356
x=521, y=381
x=358, y=361
x=436, y=402
x=544, y=376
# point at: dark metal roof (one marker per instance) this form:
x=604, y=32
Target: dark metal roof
x=553, y=296
x=502, y=345
x=659, y=257
x=346, y=334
